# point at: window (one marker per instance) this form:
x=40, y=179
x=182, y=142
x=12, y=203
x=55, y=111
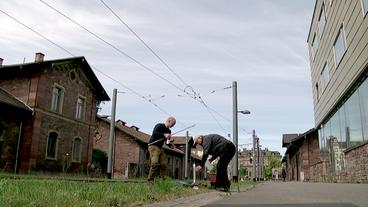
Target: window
x=314, y=45
x=57, y=99
x=76, y=157
x=339, y=46
x=317, y=91
x=79, y=114
x=365, y=6
x=322, y=19
x=325, y=76
x=353, y=120
x=51, y=150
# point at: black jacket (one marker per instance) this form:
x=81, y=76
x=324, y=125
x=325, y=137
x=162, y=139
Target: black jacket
x=215, y=145
x=158, y=133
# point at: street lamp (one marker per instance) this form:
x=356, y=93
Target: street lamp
x=235, y=130
x=244, y=112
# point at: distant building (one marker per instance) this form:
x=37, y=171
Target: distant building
x=246, y=160
x=337, y=147
x=130, y=152
x=64, y=95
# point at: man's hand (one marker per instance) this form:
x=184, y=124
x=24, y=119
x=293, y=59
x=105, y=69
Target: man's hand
x=167, y=136
x=198, y=168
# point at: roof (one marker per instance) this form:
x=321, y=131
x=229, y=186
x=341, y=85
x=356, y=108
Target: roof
x=286, y=138
x=296, y=142
x=141, y=137
x=29, y=68
x=11, y=101
x=180, y=139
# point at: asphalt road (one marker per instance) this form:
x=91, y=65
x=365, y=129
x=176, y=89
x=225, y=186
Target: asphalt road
x=298, y=194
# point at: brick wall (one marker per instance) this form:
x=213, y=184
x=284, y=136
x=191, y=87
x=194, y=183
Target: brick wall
x=356, y=167
x=126, y=149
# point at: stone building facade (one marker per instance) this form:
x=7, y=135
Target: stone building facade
x=63, y=94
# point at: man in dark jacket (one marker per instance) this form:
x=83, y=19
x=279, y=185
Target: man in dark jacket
x=161, y=133
x=216, y=146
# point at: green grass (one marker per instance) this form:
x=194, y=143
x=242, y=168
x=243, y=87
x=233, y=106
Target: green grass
x=51, y=192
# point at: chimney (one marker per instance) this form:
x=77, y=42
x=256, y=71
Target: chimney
x=1, y=62
x=134, y=127
x=39, y=57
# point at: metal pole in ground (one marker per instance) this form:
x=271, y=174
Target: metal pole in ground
x=186, y=157
x=112, y=134
x=254, y=156
x=235, y=132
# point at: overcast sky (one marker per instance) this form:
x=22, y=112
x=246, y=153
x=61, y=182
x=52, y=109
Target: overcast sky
x=261, y=44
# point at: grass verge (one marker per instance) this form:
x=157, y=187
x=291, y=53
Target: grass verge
x=46, y=192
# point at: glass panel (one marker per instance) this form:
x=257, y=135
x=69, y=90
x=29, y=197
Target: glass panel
x=76, y=150
x=365, y=5
x=325, y=76
x=322, y=19
x=353, y=120
x=342, y=118
x=56, y=96
x=339, y=46
x=363, y=96
x=51, y=147
x=80, y=106
x=335, y=126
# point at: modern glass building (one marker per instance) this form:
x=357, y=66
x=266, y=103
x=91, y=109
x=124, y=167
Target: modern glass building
x=338, y=51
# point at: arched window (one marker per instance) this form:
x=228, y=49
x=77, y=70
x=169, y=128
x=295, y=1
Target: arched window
x=51, y=150
x=77, y=149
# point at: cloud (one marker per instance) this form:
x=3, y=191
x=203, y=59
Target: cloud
x=259, y=44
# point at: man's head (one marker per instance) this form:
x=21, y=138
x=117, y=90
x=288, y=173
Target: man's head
x=170, y=122
x=198, y=139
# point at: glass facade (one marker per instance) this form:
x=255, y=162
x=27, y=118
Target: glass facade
x=339, y=46
x=322, y=19
x=348, y=126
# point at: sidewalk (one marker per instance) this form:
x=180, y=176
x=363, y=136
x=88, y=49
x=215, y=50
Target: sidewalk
x=202, y=199
x=196, y=200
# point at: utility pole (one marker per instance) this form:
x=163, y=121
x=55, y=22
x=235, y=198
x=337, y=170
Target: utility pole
x=258, y=165
x=186, y=157
x=235, y=132
x=112, y=134
x=254, y=156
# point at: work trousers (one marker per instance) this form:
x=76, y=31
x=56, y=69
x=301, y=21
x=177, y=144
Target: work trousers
x=222, y=180
x=158, y=161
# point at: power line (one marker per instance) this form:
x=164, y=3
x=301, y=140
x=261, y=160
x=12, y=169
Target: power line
x=194, y=95
x=96, y=69
x=191, y=92
x=111, y=45
x=143, y=42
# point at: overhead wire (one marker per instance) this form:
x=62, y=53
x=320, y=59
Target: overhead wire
x=142, y=41
x=96, y=69
x=193, y=94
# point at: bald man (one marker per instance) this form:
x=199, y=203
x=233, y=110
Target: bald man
x=216, y=146
x=161, y=133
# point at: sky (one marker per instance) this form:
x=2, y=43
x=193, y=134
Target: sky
x=207, y=44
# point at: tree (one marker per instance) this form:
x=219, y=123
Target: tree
x=243, y=171
x=273, y=162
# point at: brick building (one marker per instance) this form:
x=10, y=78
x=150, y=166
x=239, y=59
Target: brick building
x=63, y=94
x=302, y=159
x=13, y=115
x=131, y=157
